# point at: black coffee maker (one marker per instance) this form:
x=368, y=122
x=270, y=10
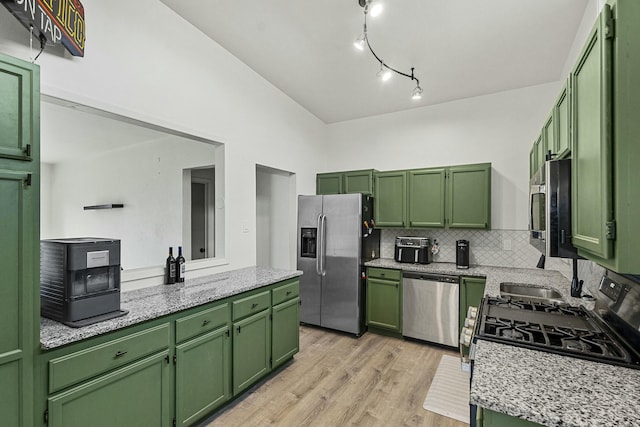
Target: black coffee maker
x=462, y=254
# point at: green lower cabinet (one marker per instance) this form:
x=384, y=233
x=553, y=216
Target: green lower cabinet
x=285, y=336
x=203, y=376
x=384, y=304
x=471, y=293
x=136, y=395
x=498, y=419
x=251, y=350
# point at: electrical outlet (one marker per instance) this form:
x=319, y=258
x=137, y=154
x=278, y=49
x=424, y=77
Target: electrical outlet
x=506, y=245
x=245, y=226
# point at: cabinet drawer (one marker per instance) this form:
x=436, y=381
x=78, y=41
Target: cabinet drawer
x=70, y=369
x=249, y=305
x=384, y=273
x=199, y=323
x=286, y=292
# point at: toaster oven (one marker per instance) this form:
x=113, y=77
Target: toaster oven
x=415, y=250
x=80, y=280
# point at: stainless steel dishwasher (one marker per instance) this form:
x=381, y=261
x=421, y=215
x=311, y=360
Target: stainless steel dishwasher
x=430, y=304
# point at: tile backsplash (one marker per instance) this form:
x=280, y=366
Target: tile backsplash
x=501, y=248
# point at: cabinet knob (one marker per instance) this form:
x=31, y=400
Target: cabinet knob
x=288, y=292
x=254, y=305
x=206, y=322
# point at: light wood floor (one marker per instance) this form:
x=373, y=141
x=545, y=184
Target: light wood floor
x=338, y=380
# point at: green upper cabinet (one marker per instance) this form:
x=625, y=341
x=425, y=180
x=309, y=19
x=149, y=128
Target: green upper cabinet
x=592, y=190
x=390, y=199
x=469, y=196
x=533, y=161
x=541, y=151
x=549, y=135
x=427, y=197
x=562, y=146
x=360, y=181
x=19, y=108
x=605, y=100
x=20, y=231
x=329, y=183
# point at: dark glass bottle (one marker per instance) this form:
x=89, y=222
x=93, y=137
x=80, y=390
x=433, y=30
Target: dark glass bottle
x=180, y=266
x=170, y=274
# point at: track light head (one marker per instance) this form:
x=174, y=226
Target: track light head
x=372, y=7
x=384, y=73
x=360, y=42
x=417, y=93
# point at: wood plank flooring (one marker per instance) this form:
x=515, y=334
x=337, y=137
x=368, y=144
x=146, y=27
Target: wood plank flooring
x=338, y=380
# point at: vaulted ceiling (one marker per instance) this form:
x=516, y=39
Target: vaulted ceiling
x=459, y=48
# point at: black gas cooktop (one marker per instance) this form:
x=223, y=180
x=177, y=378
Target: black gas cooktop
x=556, y=328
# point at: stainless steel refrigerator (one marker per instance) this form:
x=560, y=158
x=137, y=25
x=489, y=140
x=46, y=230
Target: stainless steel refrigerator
x=335, y=238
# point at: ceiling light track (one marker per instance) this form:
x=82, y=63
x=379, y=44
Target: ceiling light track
x=374, y=6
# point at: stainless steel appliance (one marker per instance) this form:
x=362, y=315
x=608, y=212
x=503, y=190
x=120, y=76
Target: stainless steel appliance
x=335, y=238
x=550, y=210
x=416, y=250
x=462, y=254
x=80, y=280
x=609, y=334
x=430, y=307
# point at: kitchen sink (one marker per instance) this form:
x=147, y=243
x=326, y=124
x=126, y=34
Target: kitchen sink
x=524, y=291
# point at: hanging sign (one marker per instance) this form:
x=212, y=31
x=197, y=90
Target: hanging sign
x=58, y=21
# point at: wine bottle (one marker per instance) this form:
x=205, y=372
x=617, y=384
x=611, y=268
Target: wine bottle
x=180, y=266
x=170, y=274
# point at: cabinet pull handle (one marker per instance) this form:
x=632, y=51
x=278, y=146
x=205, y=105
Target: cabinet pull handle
x=120, y=354
x=238, y=329
x=254, y=305
x=288, y=292
x=206, y=322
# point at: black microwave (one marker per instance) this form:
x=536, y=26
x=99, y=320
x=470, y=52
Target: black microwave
x=550, y=210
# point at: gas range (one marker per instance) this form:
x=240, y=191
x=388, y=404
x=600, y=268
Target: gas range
x=557, y=328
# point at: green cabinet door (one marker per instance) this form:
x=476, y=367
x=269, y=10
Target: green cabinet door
x=469, y=196
x=591, y=143
x=285, y=336
x=533, y=161
x=498, y=419
x=562, y=123
x=549, y=134
x=359, y=182
x=390, y=199
x=203, y=375
x=251, y=350
x=384, y=304
x=427, y=197
x=136, y=395
x=329, y=183
x=19, y=108
x=18, y=219
x=541, y=152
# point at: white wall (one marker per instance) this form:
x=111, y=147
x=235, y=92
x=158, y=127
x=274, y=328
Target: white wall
x=275, y=219
x=498, y=128
x=146, y=178
x=144, y=61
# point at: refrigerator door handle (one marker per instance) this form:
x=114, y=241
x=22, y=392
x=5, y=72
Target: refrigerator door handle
x=323, y=239
x=319, y=246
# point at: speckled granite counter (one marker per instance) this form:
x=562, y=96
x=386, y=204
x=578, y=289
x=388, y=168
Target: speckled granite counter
x=153, y=302
x=542, y=387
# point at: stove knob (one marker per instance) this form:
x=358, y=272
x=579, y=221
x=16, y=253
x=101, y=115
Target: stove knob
x=465, y=336
x=472, y=312
x=469, y=323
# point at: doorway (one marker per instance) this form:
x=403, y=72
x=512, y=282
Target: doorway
x=200, y=215
x=275, y=218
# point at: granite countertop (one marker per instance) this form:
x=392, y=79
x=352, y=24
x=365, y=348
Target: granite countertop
x=542, y=387
x=156, y=301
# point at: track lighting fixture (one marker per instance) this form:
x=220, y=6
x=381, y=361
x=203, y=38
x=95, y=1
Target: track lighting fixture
x=373, y=8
